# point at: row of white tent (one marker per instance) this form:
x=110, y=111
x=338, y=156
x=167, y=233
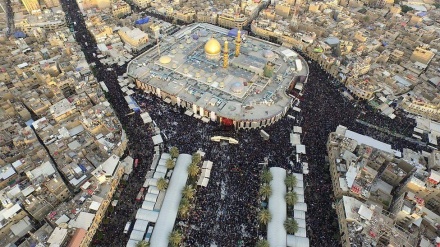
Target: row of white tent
x=276, y=233
x=206, y=173
x=149, y=212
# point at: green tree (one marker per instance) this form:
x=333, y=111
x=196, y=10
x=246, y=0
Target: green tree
x=193, y=170
x=196, y=158
x=184, y=208
x=143, y=243
x=406, y=8
x=262, y=243
x=162, y=184
x=174, y=152
x=188, y=192
x=290, y=181
x=291, y=226
x=265, y=191
x=291, y=198
x=264, y=216
x=175, y=238
x=266, y=176
x=170, y=164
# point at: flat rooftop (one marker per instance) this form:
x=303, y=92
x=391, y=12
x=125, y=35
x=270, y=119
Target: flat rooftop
x=180, y=68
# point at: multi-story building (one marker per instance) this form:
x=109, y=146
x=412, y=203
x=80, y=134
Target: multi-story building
x=136, y=38
x=363, y=224
x=52, y=3
x=422, y=55
x=282, y=9
x=142, y=3
x=31, y=5
x=120, y=8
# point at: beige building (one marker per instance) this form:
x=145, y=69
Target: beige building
x=120, y=8
x=31, y=5
x=282, y=9
x=206, y=16
x=134, y=37
x=142, y=3
x=232, y=20
x=187, y=15
x=421, y=55
x=52, y=3
x=396, y=56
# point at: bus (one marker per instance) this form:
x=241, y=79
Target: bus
x=136, y=162
x=140, y=195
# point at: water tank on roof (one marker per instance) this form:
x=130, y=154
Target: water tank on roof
x=19, y=34
x=142, y=21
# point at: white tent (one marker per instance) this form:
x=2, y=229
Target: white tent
x=295, y=139
x=140, y=225
x=151, y=197
x=147, y=215
x=298, y=214
x=300, y=206
x=205, y=173
x=159, y=175
x=157, y=139
x=300, y=149
x=298, y=191
x=299, y=176
x=297, y=129
x=207, y=164
x=276, y=233
x=137, y=235
x=295, y=241
x=148, y=205
x=153, y=190
x=203, y=181
x=162, y=169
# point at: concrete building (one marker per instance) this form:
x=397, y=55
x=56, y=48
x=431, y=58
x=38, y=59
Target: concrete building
x=120, y=8
x=142, y=3
x=133, y=37
x=52, y=3
x=421, y=55
x=31, y=5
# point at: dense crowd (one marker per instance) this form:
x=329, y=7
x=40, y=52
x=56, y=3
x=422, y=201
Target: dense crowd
x=225, y=212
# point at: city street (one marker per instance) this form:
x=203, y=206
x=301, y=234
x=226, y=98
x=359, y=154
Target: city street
x=225, y=211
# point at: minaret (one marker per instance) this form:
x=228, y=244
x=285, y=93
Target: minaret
x=226, y=55
x=237, y=43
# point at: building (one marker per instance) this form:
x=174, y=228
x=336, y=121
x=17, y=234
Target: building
x=31, y=5
x=422, y=56
x=120, y=8
x=237, y=95
x=362, y=224
x=52, y=3
x=135, y=37
x=142, y=3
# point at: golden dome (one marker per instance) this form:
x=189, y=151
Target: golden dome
x=164, y=60
x=213, y=47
